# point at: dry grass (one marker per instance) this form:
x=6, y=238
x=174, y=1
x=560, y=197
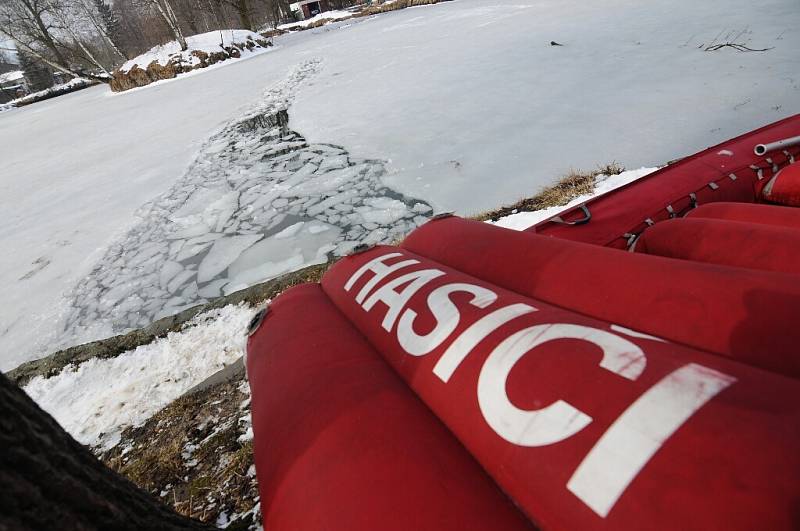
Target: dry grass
x=189, y=455
x=572, y=185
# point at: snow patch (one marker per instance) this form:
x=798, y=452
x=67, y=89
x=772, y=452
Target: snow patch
x=97, y=400
x=8, y=77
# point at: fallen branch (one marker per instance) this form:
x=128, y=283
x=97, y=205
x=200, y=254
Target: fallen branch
x=737, y=47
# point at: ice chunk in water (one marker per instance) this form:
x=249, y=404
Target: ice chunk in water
x=383, y=210
x=198, y=201
x=189, y=231
x=212, y=289
x=265, y=271
x=168, y=272
x=179, y=280
x=220, y=211
x=331, y=202
x=223, y=253
x=192, y=250
x=316, y=228
x=310, y=242
x=290, y=231
x=204, y=238
x=376, y=236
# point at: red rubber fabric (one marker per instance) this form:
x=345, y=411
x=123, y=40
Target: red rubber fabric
x=706, y=174
x=747, y=315
x=778, y=216
x=784, y=187
x=584, y=425
x=341, y=443
x=732, y=243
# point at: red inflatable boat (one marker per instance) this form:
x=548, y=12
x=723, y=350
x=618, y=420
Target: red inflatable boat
x=632, y=363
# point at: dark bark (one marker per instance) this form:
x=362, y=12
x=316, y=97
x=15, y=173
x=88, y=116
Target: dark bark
x=50, y=481
x=44, y=34
x=244, y=14
x=37, y=75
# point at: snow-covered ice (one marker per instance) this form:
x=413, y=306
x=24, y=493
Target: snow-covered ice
x=476, y=108
x=459, y=106
x=97, y=400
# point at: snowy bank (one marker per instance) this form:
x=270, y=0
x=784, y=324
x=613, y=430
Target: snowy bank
x=72, y=85
x=603, y=184
x=327, y=17
x=317, y=20
x=96, y=401
x=168, y=60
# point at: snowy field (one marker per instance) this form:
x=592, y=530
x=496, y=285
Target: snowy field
x=117, y=208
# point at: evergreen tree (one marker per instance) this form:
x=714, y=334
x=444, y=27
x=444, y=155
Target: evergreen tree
x=37, y=75
x=111, y=24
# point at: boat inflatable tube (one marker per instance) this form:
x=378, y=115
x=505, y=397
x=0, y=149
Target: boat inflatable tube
x=584, y=424
x=729, y=171
x=342, y=443
x=784, y=187
x=778, y=216
x=746, y=315
x=732, y=243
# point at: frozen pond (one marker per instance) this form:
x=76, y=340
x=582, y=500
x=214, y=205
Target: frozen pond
x=107, y=209
x=258, y=202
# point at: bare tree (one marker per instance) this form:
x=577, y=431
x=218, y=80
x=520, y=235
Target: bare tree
x=43, y=29
x=164, y=8
x=69, y=24
x=242, y=9
x=29, y=24
x=104, y=21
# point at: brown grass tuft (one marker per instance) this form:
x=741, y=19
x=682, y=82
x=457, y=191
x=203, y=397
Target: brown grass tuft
x=190, y=457
x=572, y=185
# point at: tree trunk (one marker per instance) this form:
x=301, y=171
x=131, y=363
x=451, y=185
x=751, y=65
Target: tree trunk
x=102, y=29
x=48, y=40
x=50, y=481
x=176, y=25
x=90, y=56
x=244, y=14
x=168, y=14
